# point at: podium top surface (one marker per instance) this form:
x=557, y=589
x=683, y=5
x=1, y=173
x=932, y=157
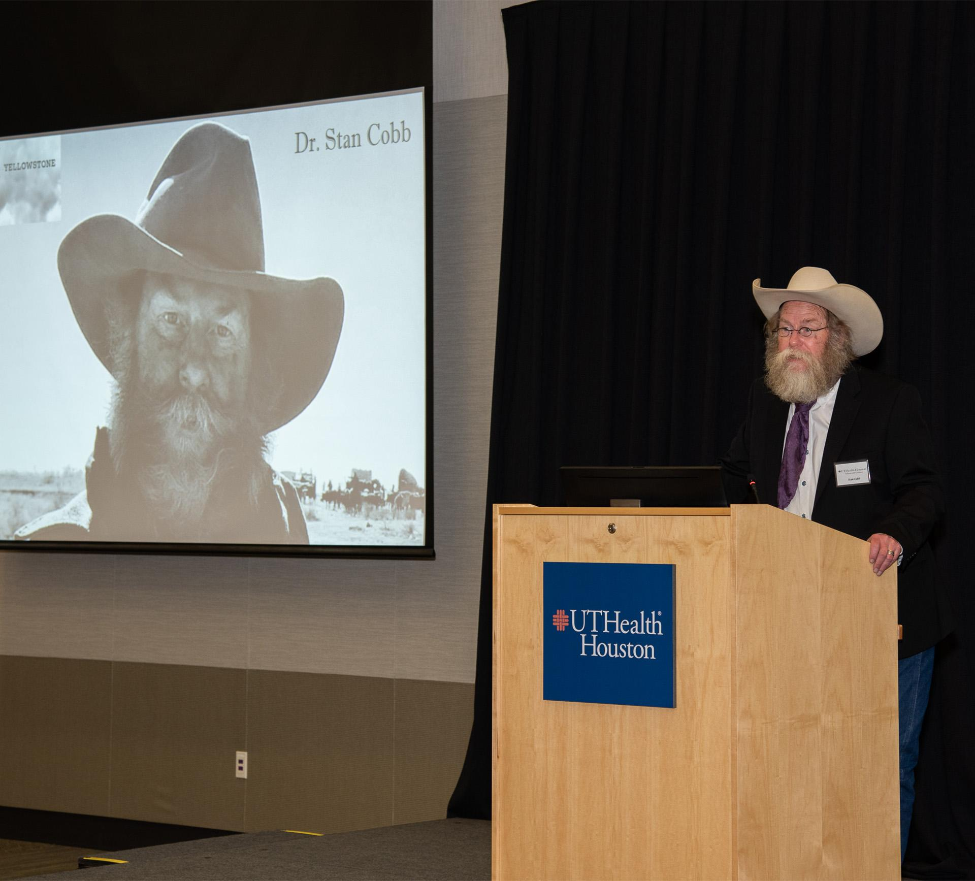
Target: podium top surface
x=616, y=512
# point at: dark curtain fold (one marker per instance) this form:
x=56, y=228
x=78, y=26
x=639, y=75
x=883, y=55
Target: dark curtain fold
x=660, y=156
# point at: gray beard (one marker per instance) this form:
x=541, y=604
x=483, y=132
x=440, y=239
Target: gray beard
x=177, y=469
x=178, y=492
x=803, y=386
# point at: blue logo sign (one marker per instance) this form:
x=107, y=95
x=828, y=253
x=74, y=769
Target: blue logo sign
x=609, y=633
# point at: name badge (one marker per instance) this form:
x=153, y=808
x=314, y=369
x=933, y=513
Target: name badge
x=852, y=473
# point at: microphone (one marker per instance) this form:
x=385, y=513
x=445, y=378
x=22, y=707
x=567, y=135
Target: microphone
x=754, y=489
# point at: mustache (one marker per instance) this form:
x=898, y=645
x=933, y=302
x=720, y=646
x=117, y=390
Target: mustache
x=783, y=358
x=172, y=401
x=194, y=412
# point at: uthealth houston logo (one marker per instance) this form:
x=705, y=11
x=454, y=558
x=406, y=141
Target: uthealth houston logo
x=590, y=624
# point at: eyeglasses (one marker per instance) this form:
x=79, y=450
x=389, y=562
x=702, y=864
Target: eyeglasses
x=804, y=332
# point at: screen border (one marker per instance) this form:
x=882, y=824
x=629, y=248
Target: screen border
x=367, y=38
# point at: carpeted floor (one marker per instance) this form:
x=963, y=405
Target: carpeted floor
x=443, y=850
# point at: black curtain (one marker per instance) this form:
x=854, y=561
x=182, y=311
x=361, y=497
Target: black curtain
x=661, y=156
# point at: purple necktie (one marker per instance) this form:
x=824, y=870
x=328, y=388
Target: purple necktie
x=794, y=455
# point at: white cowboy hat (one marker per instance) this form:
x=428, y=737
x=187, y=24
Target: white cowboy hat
x=202, y=220
x=813, y=285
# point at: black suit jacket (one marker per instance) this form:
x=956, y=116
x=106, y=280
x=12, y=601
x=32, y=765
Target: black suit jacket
x=877, y=418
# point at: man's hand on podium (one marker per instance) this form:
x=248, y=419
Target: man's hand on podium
x=885, y=550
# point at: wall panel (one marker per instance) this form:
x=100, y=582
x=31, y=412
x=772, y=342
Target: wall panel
x=157, y=742
x=336, y=618
x=57, y=605
x=175, y=732
x=55, y=734
x=181, y=610
x=321, y=751
x=469, y=49
x=429, y=756
x=436, y=610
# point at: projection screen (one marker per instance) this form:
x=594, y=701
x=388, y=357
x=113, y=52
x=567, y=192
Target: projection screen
x=215, y=331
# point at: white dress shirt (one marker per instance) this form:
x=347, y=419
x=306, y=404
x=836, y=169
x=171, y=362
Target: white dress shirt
x=820, y=415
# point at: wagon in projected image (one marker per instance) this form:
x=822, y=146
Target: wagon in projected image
x=364, y=512
x=304, y=483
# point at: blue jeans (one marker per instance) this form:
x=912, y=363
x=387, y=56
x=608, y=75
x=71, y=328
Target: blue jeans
x=914, y=686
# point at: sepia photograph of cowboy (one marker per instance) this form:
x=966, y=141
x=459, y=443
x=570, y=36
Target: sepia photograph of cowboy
x=208, y=433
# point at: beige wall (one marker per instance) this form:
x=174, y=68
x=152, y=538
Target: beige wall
x=349, y=682
x=468, y=49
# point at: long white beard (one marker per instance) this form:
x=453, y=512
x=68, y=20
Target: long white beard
x=803, y=386
x=176, y=445
x=179, y=453
x=178, y=491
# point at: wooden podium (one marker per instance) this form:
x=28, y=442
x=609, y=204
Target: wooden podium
x=780, y=759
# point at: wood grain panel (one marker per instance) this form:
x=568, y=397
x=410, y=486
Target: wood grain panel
x=613, y=513
x=780, y=759
x=817, y=711
x=587, y=790
x=861, y=806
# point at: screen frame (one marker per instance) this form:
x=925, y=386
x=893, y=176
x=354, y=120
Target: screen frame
x=367, y=34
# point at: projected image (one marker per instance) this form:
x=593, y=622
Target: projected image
x=215, y=330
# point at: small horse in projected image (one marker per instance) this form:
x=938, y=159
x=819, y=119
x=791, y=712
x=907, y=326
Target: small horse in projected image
x=407, y=504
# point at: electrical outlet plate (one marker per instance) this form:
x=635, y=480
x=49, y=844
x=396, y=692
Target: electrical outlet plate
x=242, y=765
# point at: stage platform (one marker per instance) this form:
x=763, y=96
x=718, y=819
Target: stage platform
x=442, y=850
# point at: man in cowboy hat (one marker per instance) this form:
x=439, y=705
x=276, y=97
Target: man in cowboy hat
x=208, y=352
x=830, y=441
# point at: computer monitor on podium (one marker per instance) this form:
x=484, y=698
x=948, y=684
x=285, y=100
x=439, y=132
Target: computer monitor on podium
x=647, y=486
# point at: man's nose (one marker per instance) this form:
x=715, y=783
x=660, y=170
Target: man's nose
x=795, y=340
x=192, y=377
